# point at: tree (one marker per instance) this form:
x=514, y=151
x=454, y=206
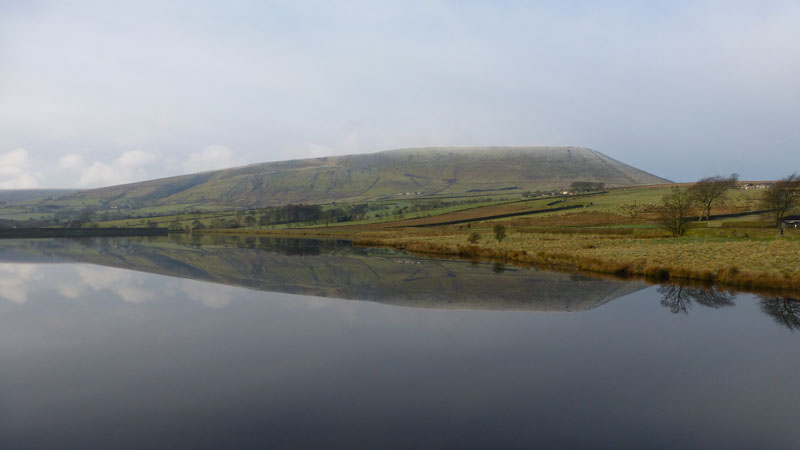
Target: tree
x=326, y=217
x=680, y=298
x=587, y=186
x=675, y=211
x=711, y=189
x=784, y=310
x=782, y=196
x=499, y=232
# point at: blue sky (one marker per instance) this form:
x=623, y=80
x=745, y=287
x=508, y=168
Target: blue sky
x=97, y=93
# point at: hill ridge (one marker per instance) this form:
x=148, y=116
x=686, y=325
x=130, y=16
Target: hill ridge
x=368, y=176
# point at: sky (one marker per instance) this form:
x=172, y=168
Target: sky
x=95, y=93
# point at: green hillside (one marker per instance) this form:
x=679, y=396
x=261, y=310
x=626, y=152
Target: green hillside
x=395, y=173
x=21, y=195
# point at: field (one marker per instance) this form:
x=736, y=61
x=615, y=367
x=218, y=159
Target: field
x=738, y=247
x=616, y=232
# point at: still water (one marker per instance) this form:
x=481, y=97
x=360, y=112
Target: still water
x=265, y=343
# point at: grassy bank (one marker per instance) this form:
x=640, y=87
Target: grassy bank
x=749, y=263
x=734, y=261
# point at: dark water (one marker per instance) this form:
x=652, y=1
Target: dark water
x=155, y=343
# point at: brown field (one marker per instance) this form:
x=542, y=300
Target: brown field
x=485, y=213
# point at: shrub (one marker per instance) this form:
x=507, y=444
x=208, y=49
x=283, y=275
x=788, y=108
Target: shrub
x=499, y=232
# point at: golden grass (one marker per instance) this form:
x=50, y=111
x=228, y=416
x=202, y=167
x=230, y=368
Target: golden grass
x=765, y=263
x=772, y=263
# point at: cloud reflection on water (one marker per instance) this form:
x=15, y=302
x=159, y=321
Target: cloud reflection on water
x=14, y=280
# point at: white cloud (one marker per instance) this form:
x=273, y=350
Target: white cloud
x=127, y=285
x=210, y=295
x=130, y=166
x=210, y=158
x=140, y=165
x=73, y=290
x=99, y=174
x=347, y=144
x=71, y=161
x=133, y=159
x=14, y=281
x=15, y=171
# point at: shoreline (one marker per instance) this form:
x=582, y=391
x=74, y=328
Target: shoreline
x=764, y=264
x=34, y=233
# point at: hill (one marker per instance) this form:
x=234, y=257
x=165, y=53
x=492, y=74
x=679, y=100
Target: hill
x=407, y=172
x=21, y=195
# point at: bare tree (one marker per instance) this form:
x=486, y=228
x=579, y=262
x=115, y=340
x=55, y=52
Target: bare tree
x=498, y=267
x=675, y=211
x=680, y=298
x=784, y=310
x=782, y=196
x=710, y=190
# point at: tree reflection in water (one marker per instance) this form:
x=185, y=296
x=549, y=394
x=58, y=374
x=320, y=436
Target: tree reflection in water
x=498, y=267
x=784, y=310
x=679, y=299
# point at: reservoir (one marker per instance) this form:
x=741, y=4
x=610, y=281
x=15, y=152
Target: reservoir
x=201, y=342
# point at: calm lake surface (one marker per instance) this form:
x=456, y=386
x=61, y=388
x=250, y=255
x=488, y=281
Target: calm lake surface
x=270, y=343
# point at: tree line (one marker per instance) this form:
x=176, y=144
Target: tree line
x=779, y=197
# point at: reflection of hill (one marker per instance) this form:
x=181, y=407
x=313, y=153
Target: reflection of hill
x=333, y=269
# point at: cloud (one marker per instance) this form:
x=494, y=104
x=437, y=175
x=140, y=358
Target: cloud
x=71, y=161
x=139, y=165
x=650, y=84
x=130, y=166
x=73, y=290
x=347, y=144
x=128, y=286
x=15, y=172
x=133, y=159
x=212, y=157
x=210, y=295
x=14, y=281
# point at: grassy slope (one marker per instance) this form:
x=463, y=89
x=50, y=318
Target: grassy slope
x=373, y=176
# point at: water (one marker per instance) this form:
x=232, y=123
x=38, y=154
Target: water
x=158, y=343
